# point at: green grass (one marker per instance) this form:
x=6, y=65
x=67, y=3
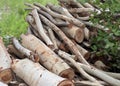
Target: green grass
x=12, y=22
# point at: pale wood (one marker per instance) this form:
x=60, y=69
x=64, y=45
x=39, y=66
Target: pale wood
x=115, y=75
x=74, y=32
x=52, y=37
x=40, y=28
x=83, y=73
x=64, y=54
x=84, y=52
x=72, y=2
x=87, y=33
x=29, y=31
x=66, y=40
x=3, y=84
x=100, y=65
x=93, y=71
x=61, y=16
x=80, y=10
x=47, y=57
x=24, y=51
x=88, y=5
x=5, y=64
x=60, y=9
x=36, y=75
x=62, y=23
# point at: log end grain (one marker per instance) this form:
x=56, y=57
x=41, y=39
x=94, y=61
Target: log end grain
x=6, y=75
x=68, y=73
x=66, y=83
x=87, y=55
x=79, y=37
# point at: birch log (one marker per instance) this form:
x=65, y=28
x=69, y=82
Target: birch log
x=5, y=64
x=74, y=32
x=35, y=75
x=66, y=40
x=47, y=57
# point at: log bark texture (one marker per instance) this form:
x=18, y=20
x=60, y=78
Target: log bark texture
x=47, y=57
x=36, y=75
x=5, y=64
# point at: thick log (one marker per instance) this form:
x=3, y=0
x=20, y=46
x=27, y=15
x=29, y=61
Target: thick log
x=40, y=28
x=66, y=40
x=24, y=51
x=74, y=32
x=69, y=19
x=35, y=75
x=5, y=64
x=47, y=57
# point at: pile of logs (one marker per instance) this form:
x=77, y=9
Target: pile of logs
x=52, y=51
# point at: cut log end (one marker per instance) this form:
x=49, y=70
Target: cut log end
x=68, y=73
x=6, y=75
x=66, y=83
x=87, y=55
x=79, y=35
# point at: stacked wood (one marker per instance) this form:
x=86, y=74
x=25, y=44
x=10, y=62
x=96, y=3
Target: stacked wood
x=38, y=76
x=5, y=64
x=55, y=51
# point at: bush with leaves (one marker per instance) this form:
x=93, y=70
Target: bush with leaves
x=108, y=43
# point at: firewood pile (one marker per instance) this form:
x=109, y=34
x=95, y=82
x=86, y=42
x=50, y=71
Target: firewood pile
x=54, y=51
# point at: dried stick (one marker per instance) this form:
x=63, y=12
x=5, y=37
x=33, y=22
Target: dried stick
x=100, y=74
x=85, y=83
x=12, y=50
x=87, y=76
x=84, y=52
x=27, y=53
x=48, y=16
x=40, y=28
x=115, y=75
x=5, y=64
x=72, y=2
x=64, y=54
x=29, y=31
x=80, y=10
x=71, y=20
x=71, y=45
x=47, y=57
x=52, y=37
x=35, y=75
x=30, y=21
x=60, y=9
